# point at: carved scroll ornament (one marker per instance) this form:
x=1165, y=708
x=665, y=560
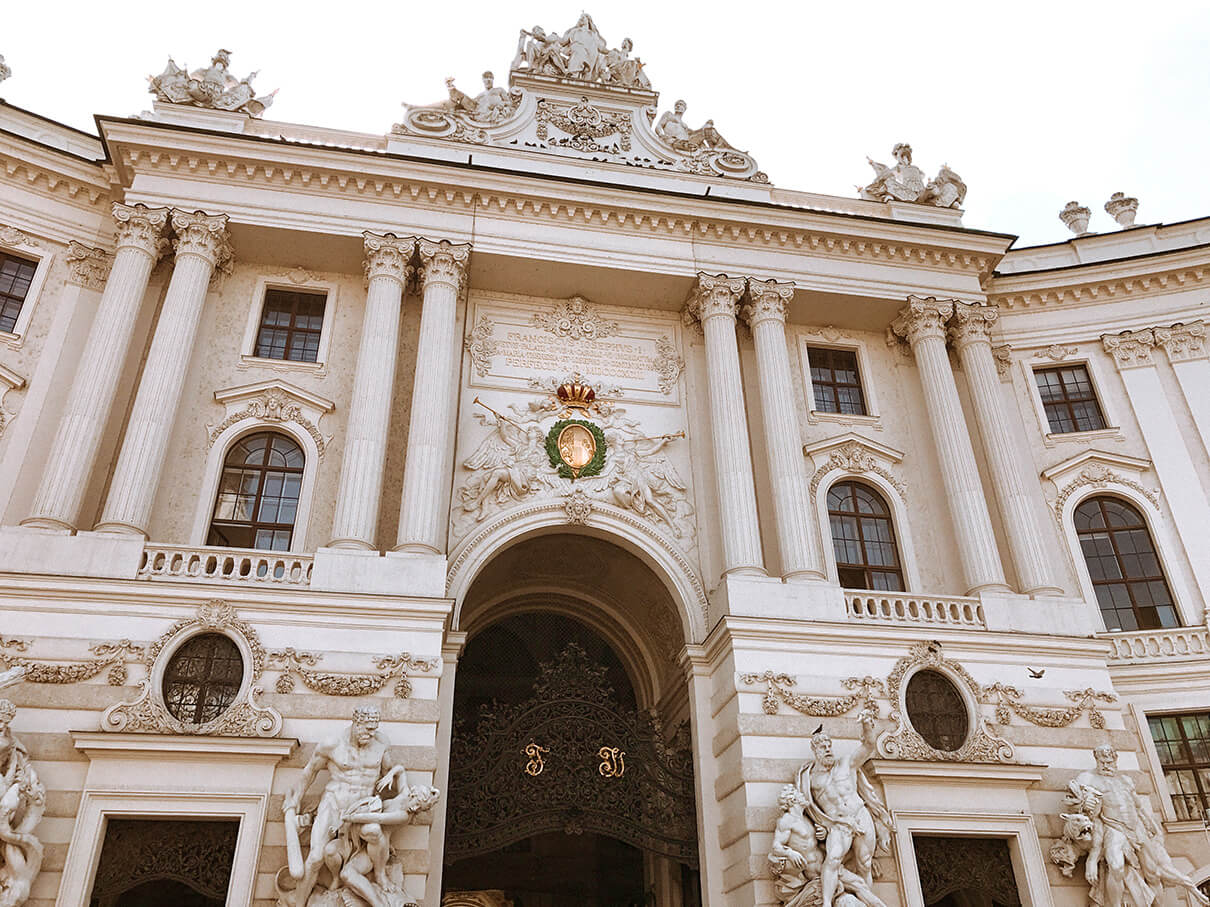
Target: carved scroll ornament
x=387, y=668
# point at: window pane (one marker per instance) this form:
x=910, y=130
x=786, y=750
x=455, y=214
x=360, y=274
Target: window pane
x=866, y=555
x=836, y=381
x=1068, y=398
x=291, y=324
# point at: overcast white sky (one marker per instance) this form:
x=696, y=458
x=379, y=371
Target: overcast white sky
x=1032, y=103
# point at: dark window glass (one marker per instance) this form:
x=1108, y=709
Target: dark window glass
x=1069, y=399
x=1183, y=744
x=290, y=325
x=202, y=678
x=863, y=538
x=1125, y=569
x=836, y=381
x=258, y=494
x=16, y=274
x=936, y=710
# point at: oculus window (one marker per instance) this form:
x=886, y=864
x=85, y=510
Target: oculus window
x=203, y=678
x=936, y=710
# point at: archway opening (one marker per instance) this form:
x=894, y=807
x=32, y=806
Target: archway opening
x=571, y=773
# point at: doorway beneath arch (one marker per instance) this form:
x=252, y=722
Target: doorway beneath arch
x=571, y=773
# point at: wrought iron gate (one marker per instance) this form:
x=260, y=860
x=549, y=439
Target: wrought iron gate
x=569, y=758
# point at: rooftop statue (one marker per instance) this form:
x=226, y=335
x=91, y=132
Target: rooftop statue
x=1126, y=863
x=579, y=53
x=213, y=87
x=351, y=862
x=22, y=802
x=672, y=129
x=905, y=182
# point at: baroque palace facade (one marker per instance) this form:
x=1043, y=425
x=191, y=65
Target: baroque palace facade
x=535, y=505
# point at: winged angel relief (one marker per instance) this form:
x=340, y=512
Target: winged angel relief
x=512, y=465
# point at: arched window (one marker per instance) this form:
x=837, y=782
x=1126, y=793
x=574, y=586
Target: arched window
x=258, y=494
x=1125, y=569
x=863, y=538
x=203, y=678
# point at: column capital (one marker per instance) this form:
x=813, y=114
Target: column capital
x=715, y=295
x=1130, y=349
x=767, y=299
x=203, y=235
x=1183, y=342
x=972, y=323
x=387, y=255
x=140, y=227
x=924, y=317
x=442, y=261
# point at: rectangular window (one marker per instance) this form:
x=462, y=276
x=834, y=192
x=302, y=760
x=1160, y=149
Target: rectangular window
x=1183, y=743
x=290, y=325
x=1069, y=399
x=16, y=275
x=836, y=381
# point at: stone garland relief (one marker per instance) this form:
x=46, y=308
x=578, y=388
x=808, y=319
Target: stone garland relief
x=112, y=655
x=387, y=668
x=1111, y=827
x=903, y=742
x=22, y=803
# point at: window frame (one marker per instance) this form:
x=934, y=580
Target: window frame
x=31, y=250
x=1030, y=365
x=808, y=339
x=832, y=351
x=1058, y=368
x=894, y=516
x=263, y=470
x=216, y=461
x=265, y=283
x=1170, y=812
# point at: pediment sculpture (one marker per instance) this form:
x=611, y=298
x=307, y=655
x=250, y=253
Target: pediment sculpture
x=22, y=803
x=351, y=860
x=905, y=182
x=212, y=87
x=1111, y=827
x=571, y=94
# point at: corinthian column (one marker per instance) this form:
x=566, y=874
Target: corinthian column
x=201, y=244
x=388, y=268
x=714, y=304
x=422, y=517
x=74, y=450
x=922, y=323
x=766, y=316
x=971, y=333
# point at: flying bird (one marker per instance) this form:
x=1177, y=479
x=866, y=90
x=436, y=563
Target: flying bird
x=1036, y=673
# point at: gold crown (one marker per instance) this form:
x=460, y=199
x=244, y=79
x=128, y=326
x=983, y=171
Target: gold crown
x=576, y=395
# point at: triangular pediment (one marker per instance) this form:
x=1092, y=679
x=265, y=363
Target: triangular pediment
x=573, y=98
x=822, y=450
x=1101, y=459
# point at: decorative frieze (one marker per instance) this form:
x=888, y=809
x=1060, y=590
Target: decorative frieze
x=292, y=662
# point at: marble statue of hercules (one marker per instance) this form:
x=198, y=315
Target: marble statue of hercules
x=842, y=808
x=358, y=768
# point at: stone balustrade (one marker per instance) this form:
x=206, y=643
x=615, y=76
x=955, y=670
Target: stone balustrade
x=224, y=565
x=1158, y=645
x=899, y=608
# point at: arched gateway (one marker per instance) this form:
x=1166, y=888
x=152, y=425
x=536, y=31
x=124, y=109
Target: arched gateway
x=571, y=771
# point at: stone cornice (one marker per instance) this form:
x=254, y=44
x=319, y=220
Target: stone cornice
x=431, y=184
x=53, y=172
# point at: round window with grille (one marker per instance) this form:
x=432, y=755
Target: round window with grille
x=937, y=711
x=202, y=678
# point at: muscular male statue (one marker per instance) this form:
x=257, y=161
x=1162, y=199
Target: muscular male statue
x=1129, y=836
x=842, y=800
x=358, y=767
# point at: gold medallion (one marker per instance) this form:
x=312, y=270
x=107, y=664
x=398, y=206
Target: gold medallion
x=577, y=447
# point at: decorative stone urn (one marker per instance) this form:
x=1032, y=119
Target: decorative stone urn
x=1075, y=216
x=1122, y=209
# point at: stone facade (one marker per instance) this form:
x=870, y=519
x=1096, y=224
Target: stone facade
x=495, y=269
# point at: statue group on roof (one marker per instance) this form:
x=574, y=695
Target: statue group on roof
x=211, y=86
x=579, y=53
x=905, y=182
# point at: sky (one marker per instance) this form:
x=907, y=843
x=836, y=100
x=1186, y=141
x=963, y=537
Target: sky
x=1033, y=103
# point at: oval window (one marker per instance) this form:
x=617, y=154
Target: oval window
x=203, y=678
x=936, y=710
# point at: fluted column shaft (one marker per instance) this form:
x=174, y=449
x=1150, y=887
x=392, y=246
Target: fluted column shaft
x=765, y=313
x=714, y=304
x=201, y=244
x=971, y=333
x=422, y=517
x=388, y=268
x=922, y=323
x=74, y=450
